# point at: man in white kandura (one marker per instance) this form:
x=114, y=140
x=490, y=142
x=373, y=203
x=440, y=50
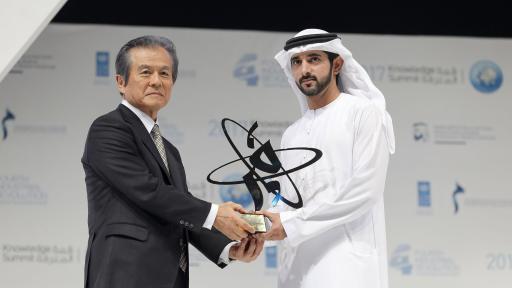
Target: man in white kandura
x=338, y=238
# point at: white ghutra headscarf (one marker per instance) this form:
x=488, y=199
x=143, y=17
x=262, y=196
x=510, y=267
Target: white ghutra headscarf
x=353, y=78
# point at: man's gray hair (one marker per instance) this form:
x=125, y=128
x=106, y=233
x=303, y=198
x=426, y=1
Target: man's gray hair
x=123, y=62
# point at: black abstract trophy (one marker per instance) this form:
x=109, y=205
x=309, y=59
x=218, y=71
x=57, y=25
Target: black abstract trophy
x=256, y=165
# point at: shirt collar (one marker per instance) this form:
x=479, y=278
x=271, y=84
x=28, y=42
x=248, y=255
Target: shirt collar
x=320, y=110
x=146, y=120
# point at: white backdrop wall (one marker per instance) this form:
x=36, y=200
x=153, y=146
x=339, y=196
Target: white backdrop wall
x=448, y=202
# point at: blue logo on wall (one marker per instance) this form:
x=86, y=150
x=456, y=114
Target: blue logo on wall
x=9, y=116
x=245, y=69
x=420, y=132
x=102, y=64
x=424, y=194
x=400, y=259
x=235, y=193
x=458, y=190
x=486, y=76
x=271, y=257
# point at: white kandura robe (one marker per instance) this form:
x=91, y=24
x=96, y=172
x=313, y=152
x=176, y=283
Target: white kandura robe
x=338, y=238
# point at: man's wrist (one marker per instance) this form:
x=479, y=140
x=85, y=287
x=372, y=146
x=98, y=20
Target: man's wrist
x=224, y=255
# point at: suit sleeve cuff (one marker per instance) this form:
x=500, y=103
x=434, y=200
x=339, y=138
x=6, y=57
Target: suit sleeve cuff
x=224, y=256
x=208, y=224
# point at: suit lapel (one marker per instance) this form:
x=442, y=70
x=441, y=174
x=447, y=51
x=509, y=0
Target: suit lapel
x=174, y=166
x=141, y=131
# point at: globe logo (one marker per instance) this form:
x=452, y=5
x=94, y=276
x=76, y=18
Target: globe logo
x=486, y=76
x=235, y=193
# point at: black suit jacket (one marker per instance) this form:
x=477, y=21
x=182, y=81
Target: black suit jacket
x=138, y=214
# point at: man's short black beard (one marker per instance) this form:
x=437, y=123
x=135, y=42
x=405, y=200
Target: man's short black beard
x=320, y=87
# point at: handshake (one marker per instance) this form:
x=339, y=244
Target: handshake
x=230, y=223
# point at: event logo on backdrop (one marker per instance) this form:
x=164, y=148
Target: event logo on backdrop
x=271, y=257
x=424, y=199
x=420, y=132
x=40, y=254
x=486, y=76
x=499, y=261
x=34, y=62
x=470, y=201
x=102, y=64
x=422, y=262
x=259, y=72
x=415, y=74
x=245, y=69
x=8, y=117
x=266, y=128
x=15, y=124
x=452, y=134
x=21, y=189
x=424, y=204
x=400, y=259
x=458, y=190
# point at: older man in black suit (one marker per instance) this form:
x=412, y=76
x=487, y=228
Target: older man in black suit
x=141, y=214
